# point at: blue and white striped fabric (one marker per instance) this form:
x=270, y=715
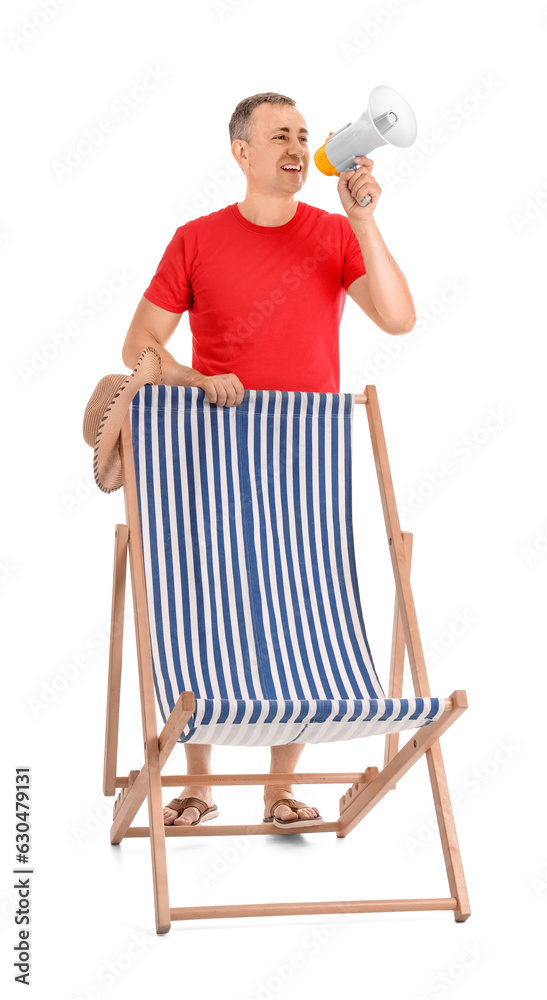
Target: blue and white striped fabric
x=253, y=600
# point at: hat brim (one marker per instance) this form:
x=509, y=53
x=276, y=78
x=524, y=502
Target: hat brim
x=105, y=414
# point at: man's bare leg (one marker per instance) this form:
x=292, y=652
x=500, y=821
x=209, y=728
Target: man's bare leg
x=198, y=761
x=285, y=758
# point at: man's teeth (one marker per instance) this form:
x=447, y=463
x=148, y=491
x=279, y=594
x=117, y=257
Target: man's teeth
x=289, y=167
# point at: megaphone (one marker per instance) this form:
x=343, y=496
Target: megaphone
x=388, y=120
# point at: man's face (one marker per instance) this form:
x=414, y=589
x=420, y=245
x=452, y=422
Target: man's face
x=279, y=141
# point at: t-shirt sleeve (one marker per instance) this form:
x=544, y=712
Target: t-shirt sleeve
x=170, y=287
x=354, y=265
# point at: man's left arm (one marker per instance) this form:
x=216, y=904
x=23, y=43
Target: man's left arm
x=382, y=293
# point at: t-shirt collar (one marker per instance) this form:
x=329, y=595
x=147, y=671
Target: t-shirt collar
x=268, y=230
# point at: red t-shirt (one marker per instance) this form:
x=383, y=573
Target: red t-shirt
x=264, y=302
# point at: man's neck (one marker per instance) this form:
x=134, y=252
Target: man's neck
x=263, y=211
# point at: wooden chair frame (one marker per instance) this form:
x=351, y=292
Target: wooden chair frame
x=367, y=787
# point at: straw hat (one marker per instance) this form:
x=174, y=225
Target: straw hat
x=105, y=413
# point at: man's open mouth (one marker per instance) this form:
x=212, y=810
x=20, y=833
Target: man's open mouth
x=293, y=167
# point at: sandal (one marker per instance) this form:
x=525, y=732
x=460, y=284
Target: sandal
x=294, y=805
x=179, y=805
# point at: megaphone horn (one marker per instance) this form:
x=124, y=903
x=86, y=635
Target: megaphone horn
x=388, y=121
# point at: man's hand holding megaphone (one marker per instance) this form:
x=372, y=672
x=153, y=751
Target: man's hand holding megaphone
x=383, y=292
x=388, y=121
x=355, y=185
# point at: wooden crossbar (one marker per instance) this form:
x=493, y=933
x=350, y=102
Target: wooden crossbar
x=231, y=830
x=310, y=909
x=269, y=778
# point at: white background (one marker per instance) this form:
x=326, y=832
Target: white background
x=464, y=209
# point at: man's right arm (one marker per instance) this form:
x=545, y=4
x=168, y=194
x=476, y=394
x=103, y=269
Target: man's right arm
x=153, y=326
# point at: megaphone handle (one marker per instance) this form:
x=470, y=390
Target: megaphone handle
x=366, y=199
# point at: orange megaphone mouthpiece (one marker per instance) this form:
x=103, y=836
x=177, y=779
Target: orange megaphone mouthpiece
x=322, y=161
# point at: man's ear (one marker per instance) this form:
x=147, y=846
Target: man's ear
x=238, y=148
x=240, y=167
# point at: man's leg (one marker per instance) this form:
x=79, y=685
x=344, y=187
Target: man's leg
x=285, y=758
x=198, y=761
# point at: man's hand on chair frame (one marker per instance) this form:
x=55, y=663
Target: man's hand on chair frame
x=224, y=390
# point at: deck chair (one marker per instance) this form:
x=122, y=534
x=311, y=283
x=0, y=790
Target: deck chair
x=249, y=626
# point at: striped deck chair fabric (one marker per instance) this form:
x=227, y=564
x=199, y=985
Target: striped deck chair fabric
x=251, y=582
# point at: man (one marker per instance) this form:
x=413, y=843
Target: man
x=265, y=282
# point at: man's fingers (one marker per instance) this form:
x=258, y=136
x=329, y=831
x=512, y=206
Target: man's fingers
x=235, y=390
x=228, y=391
x=223, y=390
x=238, y=390
x=221, y=395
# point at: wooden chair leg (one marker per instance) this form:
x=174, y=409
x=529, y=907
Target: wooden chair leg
x=397, y=548
x=115, y=660
x=447, y=830
x=400, y=553
x=157, y=841
x=146, y=685
x=397, y=664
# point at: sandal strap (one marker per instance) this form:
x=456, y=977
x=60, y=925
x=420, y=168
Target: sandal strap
x=291, y=803
x=179, y=805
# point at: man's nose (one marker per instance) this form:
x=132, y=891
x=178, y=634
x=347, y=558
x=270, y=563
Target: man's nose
x=297, y=148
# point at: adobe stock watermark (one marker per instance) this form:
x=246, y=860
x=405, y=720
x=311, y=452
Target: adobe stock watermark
x=463, y=450
x=454, y=117
x=86, y=312
x=119, y=110
x=34, y=23
x=426, y=315
x=310, y=945
x=82, y=490
x=8, y=905
x=203, y=197
x=436, y=647
x=291, y=280
x=442, y=982
x=532, y=210
x=109, y=973
x=222, y=861
x=224, y=7
x=95, y=819
x=539, y=884
x=371, y=29
x=536, y=548
x=65, y=675
x=473, y=782
x=7, y=569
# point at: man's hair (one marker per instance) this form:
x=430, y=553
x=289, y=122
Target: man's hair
x=240, y=126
